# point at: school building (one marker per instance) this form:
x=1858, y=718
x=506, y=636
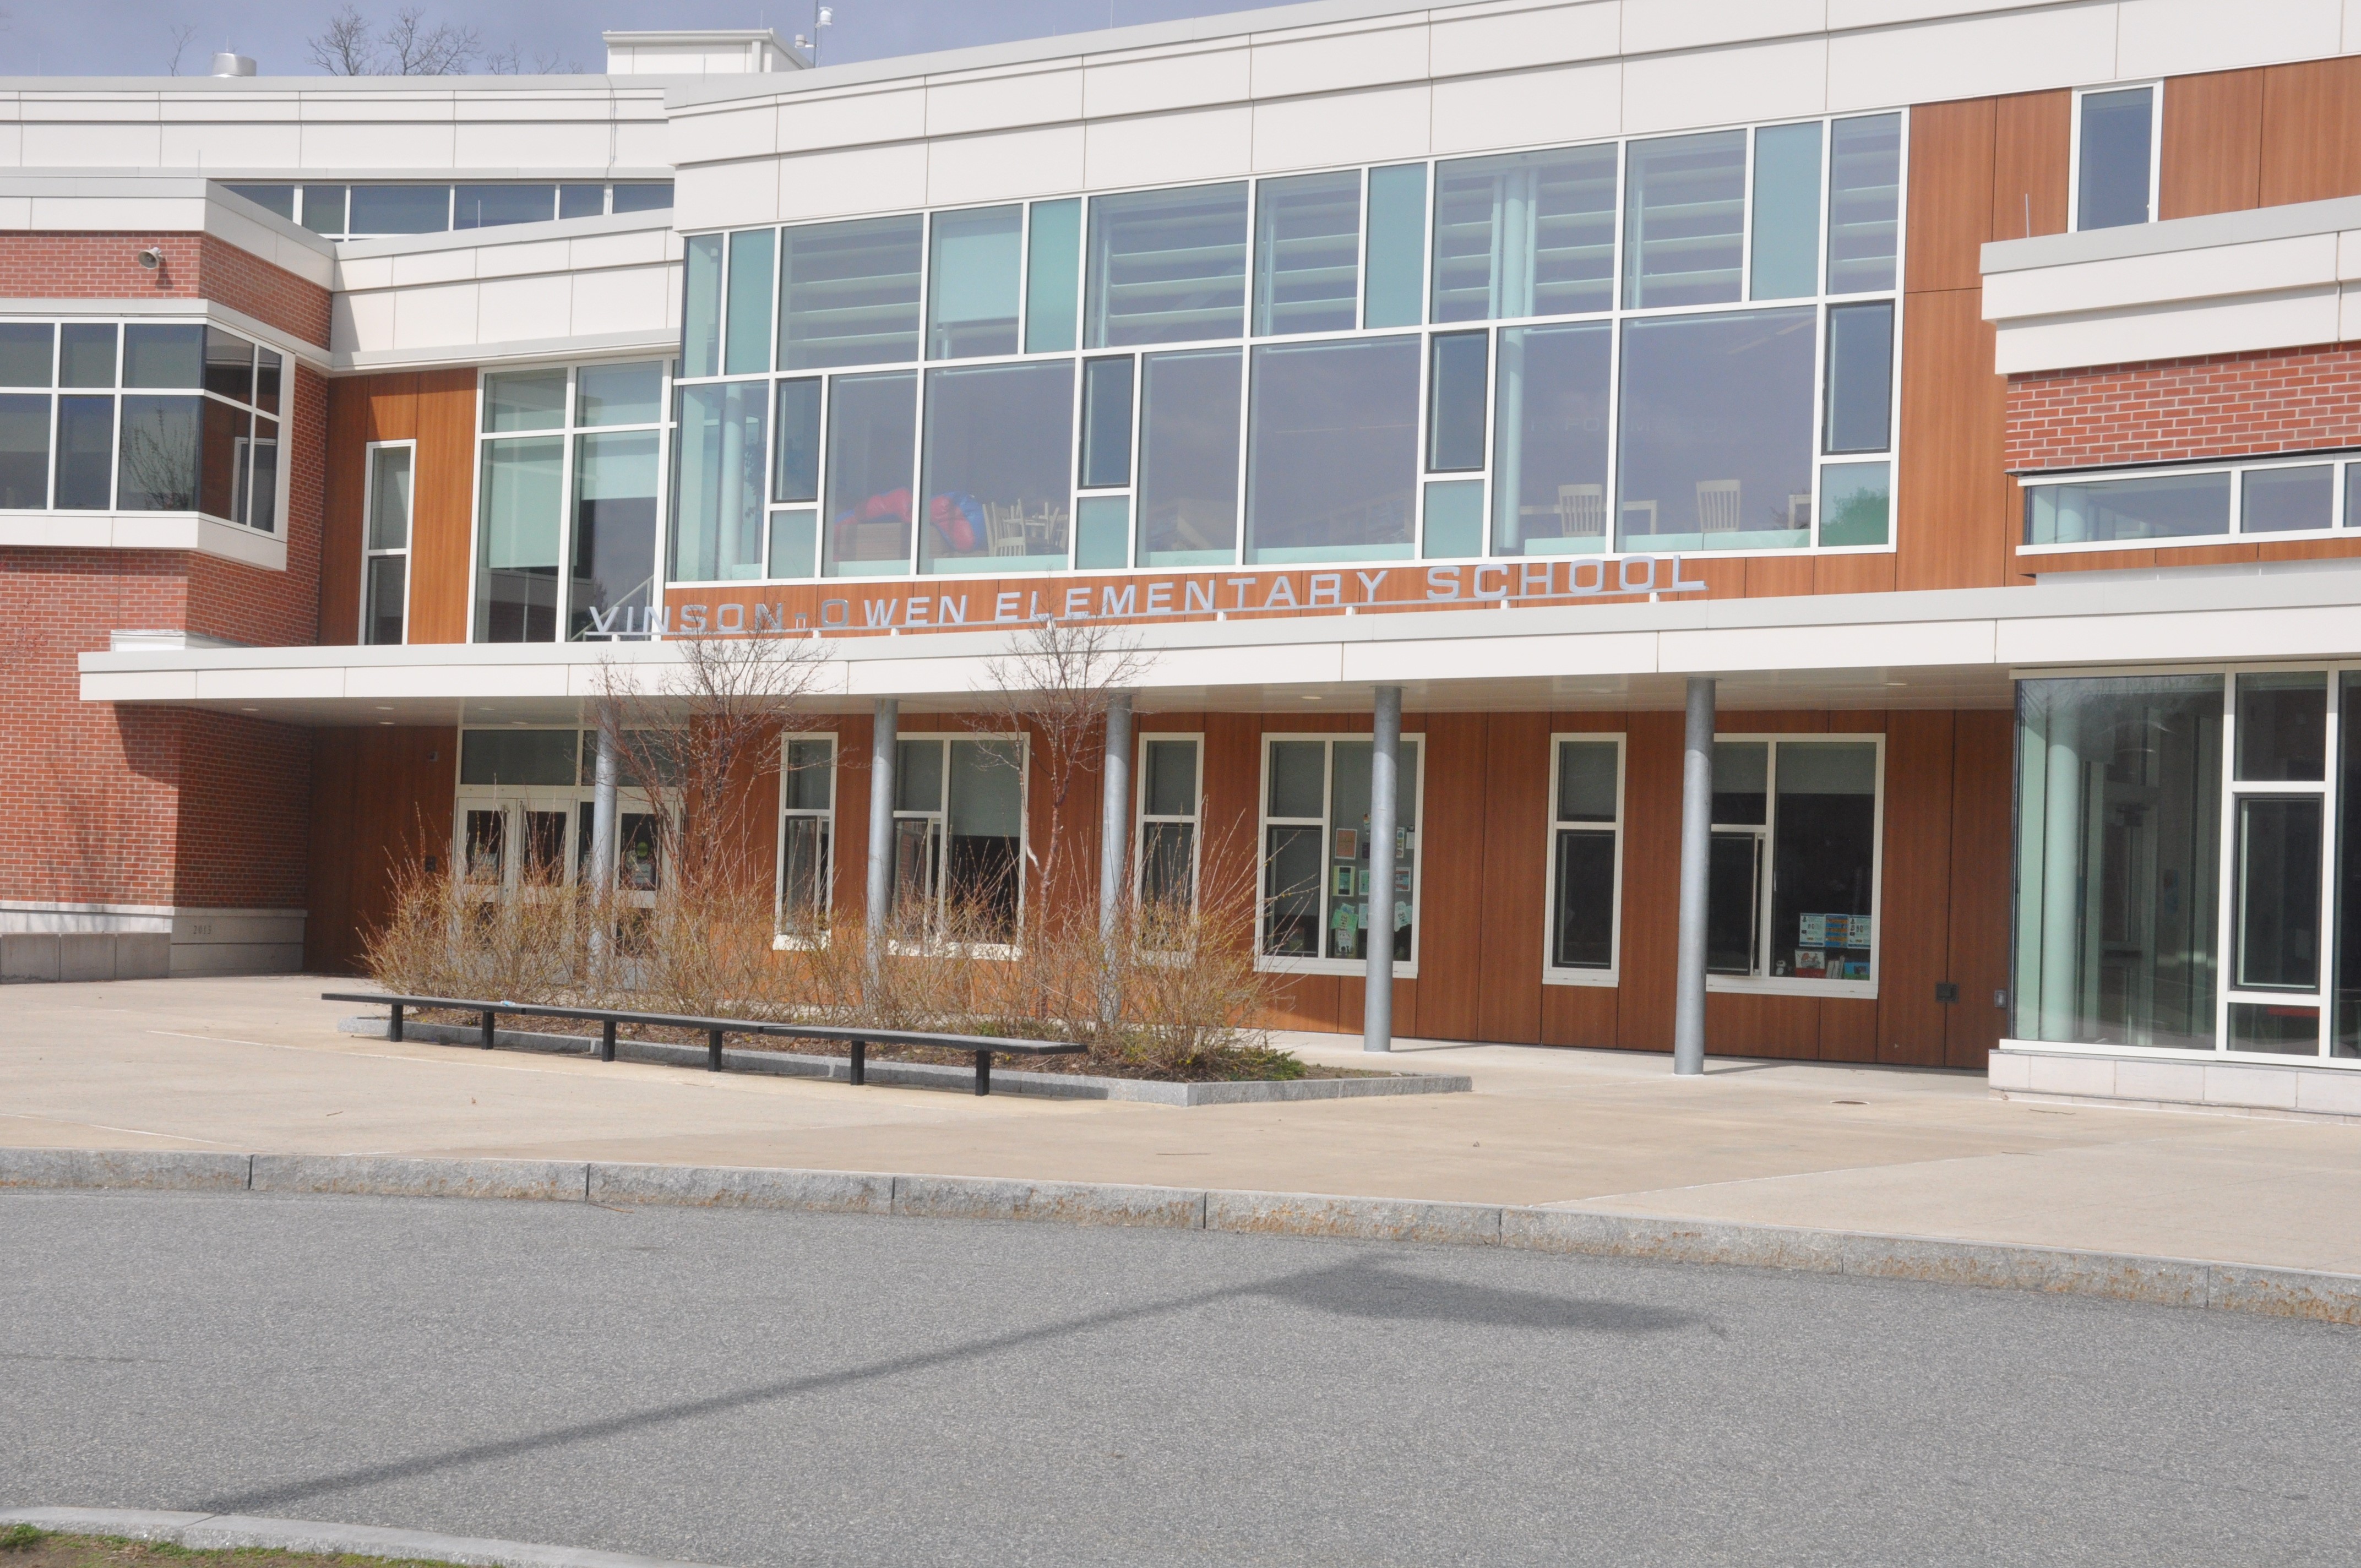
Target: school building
x=1856, y=506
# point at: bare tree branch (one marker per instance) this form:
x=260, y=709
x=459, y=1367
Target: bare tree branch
x=414, y=48
x=180, y=37
x=346, y=48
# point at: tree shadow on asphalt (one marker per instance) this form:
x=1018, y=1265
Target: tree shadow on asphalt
x=1362, y=1287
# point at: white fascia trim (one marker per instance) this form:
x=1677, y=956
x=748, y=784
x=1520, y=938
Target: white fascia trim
x=180, y=305
x=507, y=234
x=142, y=530
x=371, y=360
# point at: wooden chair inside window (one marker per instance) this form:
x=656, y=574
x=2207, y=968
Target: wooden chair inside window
x=1582, y=510
x=1717, y=501
x=1004, y=527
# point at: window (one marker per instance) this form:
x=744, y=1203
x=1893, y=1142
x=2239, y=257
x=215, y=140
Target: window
x=1529, y=234
x=999, y=467
x=356, y=212
x=1792, y=871
x=2114, y=157
x=718, y=518
x=1188, y=458
x=572, y=466
x=1717, y=431
x=385, y=531
x=1316, y=851
x=972, y=283
x=807, y=875
x=1586, y=864
x=1169, y=793
x=1307, y=254
x=1332, y=467
x=959, y=836
x=1166, y=267
x=2280, y=496
x=1692, y=411
x=193, y=428
x=525, y=796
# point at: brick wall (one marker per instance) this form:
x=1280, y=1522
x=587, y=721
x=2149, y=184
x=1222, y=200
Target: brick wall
x=105, y=265
x=2219, y=405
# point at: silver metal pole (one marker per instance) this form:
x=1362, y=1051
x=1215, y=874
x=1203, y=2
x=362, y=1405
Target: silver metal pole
x=884, y=732
x=600, y=872
x=1385, y=771
x=1115, y=815
x=1696, y=852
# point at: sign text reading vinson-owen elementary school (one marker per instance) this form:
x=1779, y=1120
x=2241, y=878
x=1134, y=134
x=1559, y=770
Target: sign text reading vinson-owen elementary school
x=1489, y=582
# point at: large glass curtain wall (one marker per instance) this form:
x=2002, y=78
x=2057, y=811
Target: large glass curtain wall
x=1673, y=343
x=2187, y=879
x=141, y=416
x=572, y=481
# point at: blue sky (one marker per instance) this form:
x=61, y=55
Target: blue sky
x=135, y=38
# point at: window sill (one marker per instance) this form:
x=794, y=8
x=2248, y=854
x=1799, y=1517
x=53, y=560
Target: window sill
x=143, y=531
x=1789, y=985
x=2193, y=542
x=1606, y=978
x=989, y=952
x=1405, y=969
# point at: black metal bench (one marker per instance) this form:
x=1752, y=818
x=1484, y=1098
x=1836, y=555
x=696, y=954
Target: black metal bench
x=859, y=1037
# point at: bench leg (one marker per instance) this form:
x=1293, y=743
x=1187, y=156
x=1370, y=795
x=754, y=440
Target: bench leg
x=487, y=1029
x=607, y=1040
x=859, y=1063
x=713, y=1050
x=394, y=1031
x=983, y=1072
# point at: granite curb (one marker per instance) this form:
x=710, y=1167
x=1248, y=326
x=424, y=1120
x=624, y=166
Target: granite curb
x=217, y=1532
x=931, y=1075
x=2318, y=1296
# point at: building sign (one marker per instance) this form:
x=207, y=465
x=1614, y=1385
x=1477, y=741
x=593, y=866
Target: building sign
x=1461, y=584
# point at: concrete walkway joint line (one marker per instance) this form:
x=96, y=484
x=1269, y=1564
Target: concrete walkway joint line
x=2167, y=1281
x=218, y=1533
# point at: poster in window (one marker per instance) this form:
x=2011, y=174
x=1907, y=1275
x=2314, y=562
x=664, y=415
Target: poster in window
x=1402, y=879
x=1361, y=882
x=1341, y=919
x=1348, y=844
x=1342, y=884
x=1811, y=931
x=1402, y=916
x=1855, y=968
x=1811, y=961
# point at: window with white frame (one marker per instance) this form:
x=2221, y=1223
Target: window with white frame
x=1316, y=851
x=386, y=501
x=141, y=416
x=2311, y=494
x=2116, y=130
x=959, y=836
x=1793, y=873
x=1666, y=343
x=2187, y=879
x=524, y=815
x=1169, y=792
x=356, y=212
x=1586, y=864
x=806, y=830
x=568, y=496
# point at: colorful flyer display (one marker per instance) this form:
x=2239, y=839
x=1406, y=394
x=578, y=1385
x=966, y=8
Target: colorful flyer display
x=1348, y=844
x=1811, y=931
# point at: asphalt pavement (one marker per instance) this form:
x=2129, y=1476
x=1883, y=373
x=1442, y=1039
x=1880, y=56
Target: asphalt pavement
x=763, y=1390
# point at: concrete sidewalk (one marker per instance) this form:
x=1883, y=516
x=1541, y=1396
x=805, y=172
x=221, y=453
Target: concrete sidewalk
x=257, y=1064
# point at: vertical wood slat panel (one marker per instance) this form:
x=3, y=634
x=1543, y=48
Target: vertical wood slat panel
x=1515, y=877
x=852, y=825
x=1854, y=573
x=2311, y=140
x=1451, y=946
x=328, y=892
x=380, y=798
x=1914, y=925
x=1954, y=511
x=2032, y=146
x=1652, y=858
x=1951, y=193
x=2210, y=156
x=1983, y=802
x=1778, y=577
x=442, y=491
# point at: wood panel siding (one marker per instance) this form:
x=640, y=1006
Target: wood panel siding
x=2032, y=150
x=381, y=800
x=2212, y=153
x=438, y=409
x=1955, y=506
x=1514, y=913
x=2311, y=140
x=1909, y=1022
x=1652, y=849
x=1950, y=194
x=1450, y=938
x=1984, y=755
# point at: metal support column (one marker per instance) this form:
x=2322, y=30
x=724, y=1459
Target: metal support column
x=884, y=735
x=1385, y=772
x=600, y=872
x=1115, y=843
x=1696, y=854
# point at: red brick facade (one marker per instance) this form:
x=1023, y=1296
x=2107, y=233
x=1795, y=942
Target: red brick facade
x=2219, y=405
x=196, y=267
x=150, y=806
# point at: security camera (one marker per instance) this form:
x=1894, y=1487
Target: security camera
x=152, y=258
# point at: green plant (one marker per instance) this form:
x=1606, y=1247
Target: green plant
x=21, y=1538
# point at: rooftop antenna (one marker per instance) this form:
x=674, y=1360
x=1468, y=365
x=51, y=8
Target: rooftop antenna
x=822, y=17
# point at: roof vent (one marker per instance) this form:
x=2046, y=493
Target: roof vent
x=227, y=64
